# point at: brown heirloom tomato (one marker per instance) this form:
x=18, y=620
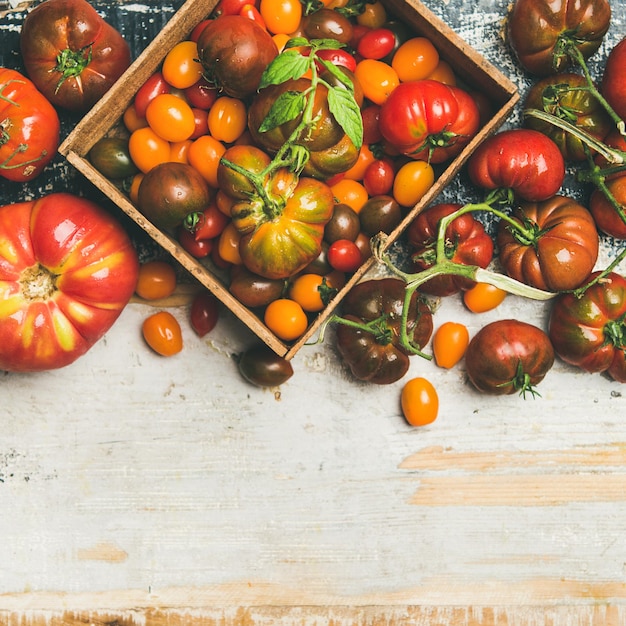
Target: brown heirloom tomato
x=234, y=52
x=67, y=269
x=539, y=32
x=555, y=247
x=466, y=241
x=262, y=367
x=71, y=53
x=566, y=97
x=508, y=356
x=170, y=192
x=29, y=128
x=589, y=331
x=376, y=355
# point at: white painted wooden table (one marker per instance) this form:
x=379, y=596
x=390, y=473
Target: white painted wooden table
x=141, y=490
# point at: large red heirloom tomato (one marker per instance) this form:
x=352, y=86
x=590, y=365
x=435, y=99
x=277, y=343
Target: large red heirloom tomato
x=67, y=269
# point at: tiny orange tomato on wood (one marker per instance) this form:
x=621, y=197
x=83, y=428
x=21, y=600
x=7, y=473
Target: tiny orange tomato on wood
x=420, y=402
x=162, y=333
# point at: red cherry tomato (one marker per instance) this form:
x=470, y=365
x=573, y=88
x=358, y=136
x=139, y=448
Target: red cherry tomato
x=344, y=256
x=204, y=313
x=376, y=43
x=153, y=87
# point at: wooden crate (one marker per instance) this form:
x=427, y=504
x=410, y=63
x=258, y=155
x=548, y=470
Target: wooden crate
x=105, y=118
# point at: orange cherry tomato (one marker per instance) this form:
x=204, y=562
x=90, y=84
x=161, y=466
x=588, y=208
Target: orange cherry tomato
x=132, y=120
x=204, y=155
x=181, y=68
x=286, y=319
x=280, y=39
x=357, y=171
x=374, y=15
x=415, y=59
x=443, y=73
x=281, y=16
x=377, y=79
x=162, y=333
x=171, y=118
x=483, y=297
x=147, y=149
x=419, y=401
x=227, y=119
x=450, y=342
x=350, y=192
x=179, y=151
x=308, y=291
x=412, y=181
x=133, y=190
x=228, y=245
x=157, y=279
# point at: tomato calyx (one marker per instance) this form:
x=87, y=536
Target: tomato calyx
x=378, y=327
x=615, y=332
x=71, y=63
x=522, y=382
x=37, y=283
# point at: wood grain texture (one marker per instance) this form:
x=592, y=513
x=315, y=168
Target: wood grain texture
x=137, y=490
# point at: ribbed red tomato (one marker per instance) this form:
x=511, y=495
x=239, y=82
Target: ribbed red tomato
x=67, y=269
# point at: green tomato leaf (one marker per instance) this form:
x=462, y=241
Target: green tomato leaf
x=297, y=42
x=346, y=111
x=325, y=44
x=288, y=106
x=338, y=73
x=289, y=64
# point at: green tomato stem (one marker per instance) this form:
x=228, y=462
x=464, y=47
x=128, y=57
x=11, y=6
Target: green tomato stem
x=576, y=55
x=610, y=154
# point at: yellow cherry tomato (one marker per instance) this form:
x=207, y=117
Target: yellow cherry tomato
x=419, y=401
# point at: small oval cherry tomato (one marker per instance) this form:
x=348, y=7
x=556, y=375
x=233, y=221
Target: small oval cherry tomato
x=204, y=155
x=450, y=342
x=311, y=292
x=344, y=256
x=281, y=16
x=201, y=95
x=198, y=248
x=262, y=367
x=157, y=279
x=483, y=297
x=415, y=59
x=227, y=119
x=147, y=149
x=171, y=118
x=154, y=86
x=204, y=313
x=350, y=192
x=412, y=181
x=376, y=43
x=338, y=57
x=419, y=401
x=208, y=224
x=374, y=15
x=377, y=79
x=162, y=333
x=379, y=176
x=181, y=67
x=286, y=319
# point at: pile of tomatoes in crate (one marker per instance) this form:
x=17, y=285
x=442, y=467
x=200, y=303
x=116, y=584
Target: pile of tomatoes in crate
x=276, y=141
